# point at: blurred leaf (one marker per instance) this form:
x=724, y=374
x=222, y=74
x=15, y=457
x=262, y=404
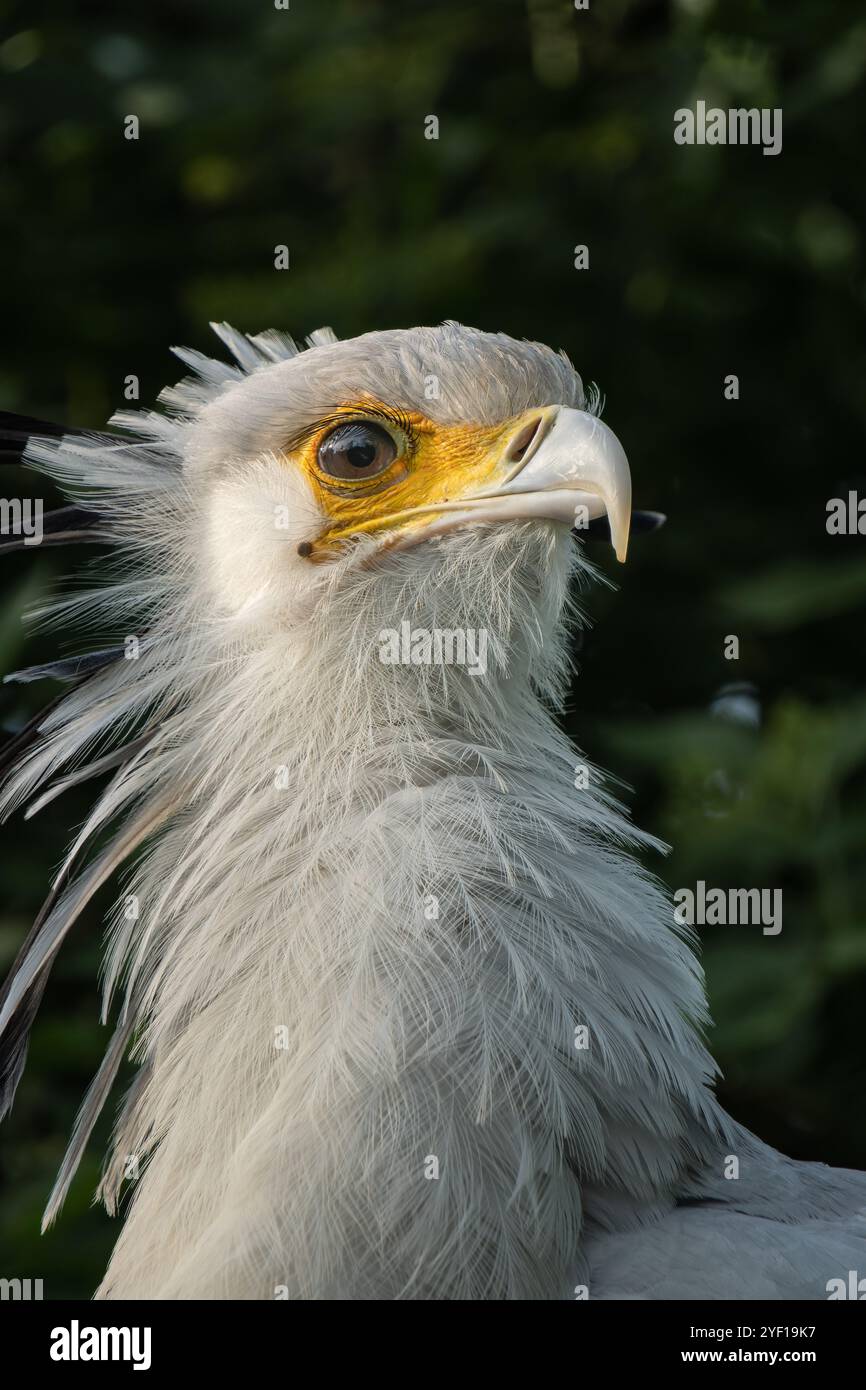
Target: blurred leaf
x=788, y=595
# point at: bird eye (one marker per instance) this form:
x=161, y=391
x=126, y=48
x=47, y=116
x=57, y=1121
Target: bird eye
x=356, y=449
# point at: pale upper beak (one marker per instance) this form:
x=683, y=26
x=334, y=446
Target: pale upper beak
x=574, y=469
x=570, y=467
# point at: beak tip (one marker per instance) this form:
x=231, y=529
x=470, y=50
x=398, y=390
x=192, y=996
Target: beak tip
x=620, y=531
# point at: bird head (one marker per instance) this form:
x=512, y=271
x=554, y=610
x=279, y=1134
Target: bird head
x=353, y=452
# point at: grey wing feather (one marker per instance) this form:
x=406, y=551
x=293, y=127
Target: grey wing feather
x=779, y=1230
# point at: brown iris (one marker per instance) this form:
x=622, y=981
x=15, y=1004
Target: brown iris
x=356, y=449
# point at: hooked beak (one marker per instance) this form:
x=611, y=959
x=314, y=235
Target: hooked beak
x=573, y=469
x=559, y=464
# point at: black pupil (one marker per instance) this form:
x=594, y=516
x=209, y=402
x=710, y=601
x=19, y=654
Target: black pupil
x=356, y=447
x=361, y=455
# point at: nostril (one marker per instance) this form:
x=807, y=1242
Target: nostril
x=521, y=442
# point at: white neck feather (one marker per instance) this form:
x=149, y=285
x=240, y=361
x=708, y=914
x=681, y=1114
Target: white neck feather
x=363, y=949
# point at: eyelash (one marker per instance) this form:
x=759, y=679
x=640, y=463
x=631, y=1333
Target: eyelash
x=397, y=418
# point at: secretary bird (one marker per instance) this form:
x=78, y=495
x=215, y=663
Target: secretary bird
x=410, y=1019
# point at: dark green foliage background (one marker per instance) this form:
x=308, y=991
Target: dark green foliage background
x=306, y=127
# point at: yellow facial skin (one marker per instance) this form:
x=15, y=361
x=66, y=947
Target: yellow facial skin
x=434, y=463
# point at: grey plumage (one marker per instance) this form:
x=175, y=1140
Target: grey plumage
x=22, y=992
x=780, y=1230
x=67, y=668
x=88, y=1114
